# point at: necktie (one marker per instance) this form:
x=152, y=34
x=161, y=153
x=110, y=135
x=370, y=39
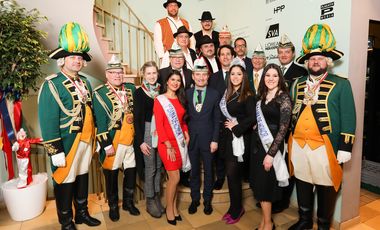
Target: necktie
x=283, y=68
x=256, y=81
x=226, y=77
x=199, y=97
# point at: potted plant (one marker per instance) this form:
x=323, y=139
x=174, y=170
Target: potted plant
x=21, y=56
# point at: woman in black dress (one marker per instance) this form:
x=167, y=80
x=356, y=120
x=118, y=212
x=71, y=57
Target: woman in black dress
x=274, y=107
x=238, y=108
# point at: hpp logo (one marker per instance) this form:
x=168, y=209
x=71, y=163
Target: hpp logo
x=273, y=31
x=327, y=10
x=278, y=9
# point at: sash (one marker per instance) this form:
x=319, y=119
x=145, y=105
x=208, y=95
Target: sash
x=237, y=142
x=279, y=165
x=176, y=127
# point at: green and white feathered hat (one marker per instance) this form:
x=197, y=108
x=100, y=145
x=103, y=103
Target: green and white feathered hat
x=259, y=51
x=200, y=65
x=114, y=63
x=72, y=40
x=319, y=40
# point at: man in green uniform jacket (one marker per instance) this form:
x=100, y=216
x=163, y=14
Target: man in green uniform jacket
x=113, y=107
x=322, y=128
x=67, y=127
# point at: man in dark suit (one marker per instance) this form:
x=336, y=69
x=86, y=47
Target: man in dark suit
x=206, y=23
x=240, y=47
x=204, y=116
x=177, y=62
x=218, y=81
x=286, y=54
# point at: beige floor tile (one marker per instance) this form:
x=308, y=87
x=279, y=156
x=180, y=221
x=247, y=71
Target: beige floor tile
x=161, y=224
x=366, y=199
x=16, y=226
x=200, y=219
x=361, y=226
x=141, y=225
x=367, y=213
x=250, y=220
x=218, y=225
x=373, y=196
x=374, y=222
x=374, y=205
x=125, y=219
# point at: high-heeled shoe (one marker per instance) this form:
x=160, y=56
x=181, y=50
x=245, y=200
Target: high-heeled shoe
x=231, y=220
x=226, y=216
x=178, y=218
x=172, y=222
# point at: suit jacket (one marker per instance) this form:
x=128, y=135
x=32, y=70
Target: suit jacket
x=248, y=65
x=164, y=73
x=204, y=125
x=209, y=66
x=217, y=82
x=215, y=37
x=294, y=72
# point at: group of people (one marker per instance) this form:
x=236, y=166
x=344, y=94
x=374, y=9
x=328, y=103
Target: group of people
x=204, y=109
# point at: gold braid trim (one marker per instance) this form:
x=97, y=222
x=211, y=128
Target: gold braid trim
x=114, y=117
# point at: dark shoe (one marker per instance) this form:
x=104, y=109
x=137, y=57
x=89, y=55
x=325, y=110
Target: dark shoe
x=152, y=209
x=277, y=208
x=218, y=184
x=178, y=218
x=70, y=226
x=114, y=213
x=83, y=217
x=302, y=224
x=193, y=207
x=172, y=222
x=207, y=208
x=258, y=205
x=128, y=203
x=184, y=179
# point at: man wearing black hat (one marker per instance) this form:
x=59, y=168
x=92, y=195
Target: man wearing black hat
x=207, y=50
x=166, y=27
x=207, y=23
x=182, y=38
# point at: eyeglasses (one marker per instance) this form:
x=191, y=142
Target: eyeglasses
x=115, y=73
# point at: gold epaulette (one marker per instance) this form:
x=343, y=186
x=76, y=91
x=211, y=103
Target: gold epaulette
x=51, y=76
x=98, y=87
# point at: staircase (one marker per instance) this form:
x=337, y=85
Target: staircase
x=119, y=31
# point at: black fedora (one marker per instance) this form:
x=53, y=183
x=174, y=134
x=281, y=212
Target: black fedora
x=182, y=30
x=172, y=1
x=205, y=39
x=206, y=15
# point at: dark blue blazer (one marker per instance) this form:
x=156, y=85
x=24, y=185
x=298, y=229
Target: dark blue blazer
x=217, y=82
x=204, y=125
x=248, y=65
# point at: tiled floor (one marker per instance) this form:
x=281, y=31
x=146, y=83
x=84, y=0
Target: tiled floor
x=369, y=216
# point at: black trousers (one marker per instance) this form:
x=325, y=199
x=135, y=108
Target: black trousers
x=234, y=177
x=196, y=154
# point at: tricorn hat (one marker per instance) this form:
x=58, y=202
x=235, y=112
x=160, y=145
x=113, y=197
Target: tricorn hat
x=72, y=40
x=205, y=39
x=181, y=30
x=114, y=63
x=206, y=15
x=259, y=51
x=200, y=65
x=285, y=42
x=176, y=51
x=319, y=40
x=172, y=1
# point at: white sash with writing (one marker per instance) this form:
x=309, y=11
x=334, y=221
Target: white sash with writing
x=279, y=165
x=176, y=127
x=237, y=142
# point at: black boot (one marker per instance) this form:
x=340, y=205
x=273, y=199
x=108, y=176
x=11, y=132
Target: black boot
x=305, y=199
x=63, y=199
x=80, y=202
x=112, y=193
x=129, y=183
x=326, y=196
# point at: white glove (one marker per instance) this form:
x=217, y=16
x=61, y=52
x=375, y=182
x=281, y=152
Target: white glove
x=15, y=146
x=59, y=159
x=343, y=156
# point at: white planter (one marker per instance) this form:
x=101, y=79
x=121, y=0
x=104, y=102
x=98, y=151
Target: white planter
x=27, y=203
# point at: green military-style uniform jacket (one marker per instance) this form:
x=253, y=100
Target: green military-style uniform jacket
x=64, y=119
x=114, y=124
x=334, y=113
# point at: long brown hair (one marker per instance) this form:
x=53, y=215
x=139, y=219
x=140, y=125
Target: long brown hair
x=180, y=92
x=263, y=89
x=244, y=90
